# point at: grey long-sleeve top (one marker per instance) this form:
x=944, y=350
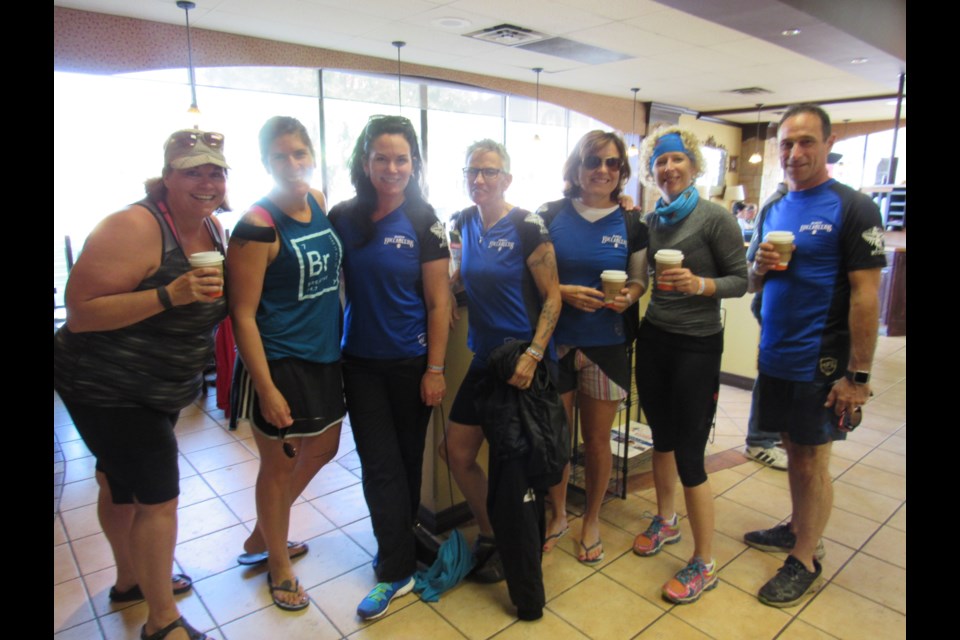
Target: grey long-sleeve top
x=712, y=246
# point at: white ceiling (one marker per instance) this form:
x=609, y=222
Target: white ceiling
x=677, y=58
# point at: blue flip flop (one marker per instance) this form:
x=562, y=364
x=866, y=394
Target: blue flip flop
x=296, y=550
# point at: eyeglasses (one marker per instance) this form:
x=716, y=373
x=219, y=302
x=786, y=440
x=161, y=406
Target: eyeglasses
x=188, y=139
x=593, y=162
x=489, y=173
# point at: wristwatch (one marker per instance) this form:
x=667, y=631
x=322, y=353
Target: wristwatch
x=858, y=377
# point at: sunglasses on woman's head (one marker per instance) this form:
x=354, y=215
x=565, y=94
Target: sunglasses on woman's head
x=593, y=162
x=188, y=139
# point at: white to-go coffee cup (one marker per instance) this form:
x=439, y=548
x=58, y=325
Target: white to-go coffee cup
x=667, y=259
x=613, y=282
x=782, y=241
x=208, y=259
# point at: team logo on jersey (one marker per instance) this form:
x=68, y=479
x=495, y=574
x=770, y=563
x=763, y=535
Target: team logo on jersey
x=616, y=240
x=501, y=244
x=318, y=256
x=874, y=237
x=399, y=241
x=828, y=366
x=815, y=226
x=537, y=220
x=437, y=229
x=422, y=339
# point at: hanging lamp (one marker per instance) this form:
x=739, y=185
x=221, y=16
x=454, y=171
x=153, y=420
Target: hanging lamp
x=194, y=110
x=536, y=117
x=633, y=150
x=756, y=158
x=399, y=44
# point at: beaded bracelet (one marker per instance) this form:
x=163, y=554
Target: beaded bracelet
x=533, y=353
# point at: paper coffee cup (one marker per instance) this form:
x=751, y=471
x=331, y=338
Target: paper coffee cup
x=208, y=259
x=667, y=259
x=613, y=282
x=782, y=241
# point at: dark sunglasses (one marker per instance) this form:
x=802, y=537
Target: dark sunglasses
x=593, y=162
x=288, y=449
x=850, y=420
x=188, y=139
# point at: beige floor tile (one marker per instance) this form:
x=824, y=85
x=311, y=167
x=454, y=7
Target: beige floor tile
x=615, y=540
x=850, y=450
x=875, y=419
x=839, y=465
x=725, y=479
x=78, y=494
x=194, y=423
x=81, y=522
x=86, y=631
x=64, y=568
x=899, y=519
x=724, y=443
x=889, y=461
x=186, y=469
x=734, y=519
x=349, y=460
x=79, y=469
x=893, y=411
x=769, y=475
x=307, y=522
x=579, y=607
x=74, y=449
x=550, y=626
x=865, y=435
x=725, y=548
x=889, y=544
x=343, y=506
x=331, y=554
x=59, y=533
x=213, y=553
x=669, y=627
x=271, y=622
x=243, y=503
x=235, y=477
x=864, y=502
x=361, y=532
x=846, y=614
x=202, y=518
x=414, y=621
x=331, y=477
x=896, y=443
x=92, y=553
x=837, y=556
x=64, y=432
x=645, y=576
x=126, y=623
x=848, y=528
x=234, y=593
x=763, y=497
x=876, y=480
x=98, y=586
x=205, y=439
x=193, y=490
x=477, y=610
x=750, y=570
x=561, y=571
x=338, y=599
x=728, y=612
x=799, y=630
x=71, y=606
x=626, y=514
x=875, y=579
x=219, y=457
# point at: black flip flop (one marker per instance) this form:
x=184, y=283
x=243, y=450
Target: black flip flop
x=134, y=593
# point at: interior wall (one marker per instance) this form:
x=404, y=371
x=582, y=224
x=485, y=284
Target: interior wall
x=87, y=42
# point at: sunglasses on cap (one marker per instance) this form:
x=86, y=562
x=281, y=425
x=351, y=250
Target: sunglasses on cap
x=188, y=139
x=593, y=162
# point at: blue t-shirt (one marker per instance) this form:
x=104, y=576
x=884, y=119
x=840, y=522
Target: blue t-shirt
x=805, y=332
x=385, y=316
x=585, y=249
x=299, y=307
x=502, y=297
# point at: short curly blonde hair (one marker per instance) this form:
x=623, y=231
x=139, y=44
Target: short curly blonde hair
x=649, y=143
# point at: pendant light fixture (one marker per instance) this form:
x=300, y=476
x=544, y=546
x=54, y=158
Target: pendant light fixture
x=194, y=110
x=536, y=117
x=756, y=158
x=633, y=150
x=399, y=44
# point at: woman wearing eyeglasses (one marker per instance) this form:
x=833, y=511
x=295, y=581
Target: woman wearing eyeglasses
x=592, y=233
x=396, y=324
x=284, y=263
x=679, y=348
x=131, y=355
x=510, y=275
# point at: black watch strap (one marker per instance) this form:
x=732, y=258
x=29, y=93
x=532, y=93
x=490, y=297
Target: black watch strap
x=858, y=377
x=164, y=296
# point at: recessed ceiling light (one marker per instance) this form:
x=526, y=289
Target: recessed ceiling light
x=450, y=23
x=787, y=33
x=859, y=61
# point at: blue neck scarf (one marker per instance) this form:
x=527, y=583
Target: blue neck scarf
x=680, y=208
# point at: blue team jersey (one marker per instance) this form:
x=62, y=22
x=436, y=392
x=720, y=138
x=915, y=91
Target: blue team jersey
x=385, y=316
x=805, y=309
x=585, y=249
x=502, y=298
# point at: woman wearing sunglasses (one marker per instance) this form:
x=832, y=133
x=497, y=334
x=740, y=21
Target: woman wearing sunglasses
x=284, y=263
x=679, y=348
x=131, y=355
x=395, y=338
x=592, y=233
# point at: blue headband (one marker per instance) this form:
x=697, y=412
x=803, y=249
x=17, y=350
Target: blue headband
x=668, y=143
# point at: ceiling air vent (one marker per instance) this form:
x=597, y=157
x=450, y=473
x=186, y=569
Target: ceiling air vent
x=749, y=91
x=508, y=35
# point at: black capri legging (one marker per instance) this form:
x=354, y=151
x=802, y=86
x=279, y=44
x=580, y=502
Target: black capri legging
x=678, y=379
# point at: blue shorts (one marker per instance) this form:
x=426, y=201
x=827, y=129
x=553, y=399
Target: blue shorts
x=796, y=408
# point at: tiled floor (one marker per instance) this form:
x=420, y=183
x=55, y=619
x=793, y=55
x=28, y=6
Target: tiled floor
x=865, y=596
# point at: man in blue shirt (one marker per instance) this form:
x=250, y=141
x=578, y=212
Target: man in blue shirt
x=818, y=334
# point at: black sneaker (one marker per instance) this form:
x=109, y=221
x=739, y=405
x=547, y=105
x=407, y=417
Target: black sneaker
x=779, y=538
x=791, y=584
x=487, y=568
